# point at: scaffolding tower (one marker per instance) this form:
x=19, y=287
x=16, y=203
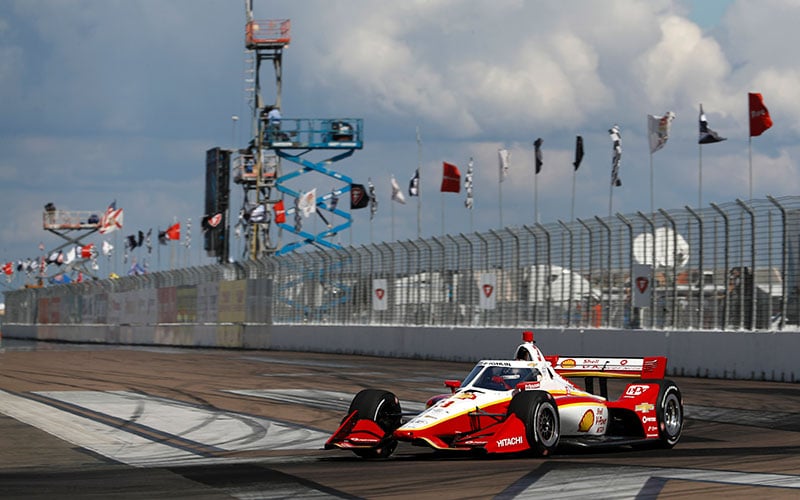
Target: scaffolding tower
x=272, y=205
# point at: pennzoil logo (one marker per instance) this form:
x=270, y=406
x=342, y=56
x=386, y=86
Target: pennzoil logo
x=568, y=363
x=644, y=407
x=587, y=420
x=465, y=395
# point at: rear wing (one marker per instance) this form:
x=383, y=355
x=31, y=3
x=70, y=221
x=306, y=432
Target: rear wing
x=573, y=366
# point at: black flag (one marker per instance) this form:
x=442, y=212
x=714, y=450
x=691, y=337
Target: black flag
x=537, y=144
x=413, y=185
x=707, y=136
x=358, y=196
x=578, y=152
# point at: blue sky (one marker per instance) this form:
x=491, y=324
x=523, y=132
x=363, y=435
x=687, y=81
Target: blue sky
x=118, y=100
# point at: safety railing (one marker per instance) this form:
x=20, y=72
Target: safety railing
x=731, y=266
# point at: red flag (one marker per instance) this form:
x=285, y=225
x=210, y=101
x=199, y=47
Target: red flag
x=280, y=212
x=451, y=178
x=174, y=231
x=759, y=115
x=8, y=268
x=88, y=251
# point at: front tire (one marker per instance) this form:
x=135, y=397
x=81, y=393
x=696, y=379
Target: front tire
x=539, y=412
x=383, y=408
x=669, y=412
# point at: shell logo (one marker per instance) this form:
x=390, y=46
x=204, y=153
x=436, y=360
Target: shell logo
x=586, y=421
x=568, y=363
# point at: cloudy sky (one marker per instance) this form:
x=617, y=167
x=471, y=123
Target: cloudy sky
x=118, y=100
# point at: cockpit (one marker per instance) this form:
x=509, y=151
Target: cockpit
x=500, y=378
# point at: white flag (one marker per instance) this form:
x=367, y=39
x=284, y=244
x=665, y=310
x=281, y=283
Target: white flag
x=308, y=203
x=505, y=160
x=397, y=195
x=107, y=248
x=658, y=130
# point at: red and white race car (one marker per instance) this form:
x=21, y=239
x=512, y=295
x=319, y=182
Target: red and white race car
x=525, y=404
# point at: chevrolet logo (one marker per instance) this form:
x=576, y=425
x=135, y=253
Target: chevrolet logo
x=644, y=407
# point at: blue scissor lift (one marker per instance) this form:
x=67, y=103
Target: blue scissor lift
x=259, y=168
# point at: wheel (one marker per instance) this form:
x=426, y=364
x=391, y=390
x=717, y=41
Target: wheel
x=669, y=412
x=539, y=412
x=383, y=408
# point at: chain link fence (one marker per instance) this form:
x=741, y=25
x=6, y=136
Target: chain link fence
x=732, y=266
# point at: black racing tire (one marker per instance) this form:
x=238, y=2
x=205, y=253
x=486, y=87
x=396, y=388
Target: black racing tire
x=383, y=408
x=669, y=412
x=539, y=412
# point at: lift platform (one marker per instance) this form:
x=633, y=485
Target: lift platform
x=74, y=226
x=267, y=34
x=314, y=133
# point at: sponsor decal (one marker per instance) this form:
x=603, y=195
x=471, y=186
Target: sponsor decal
x=464, y=395
x=487, y=290
x=644, y=407
x=647, y=420
x=568, y=363
x=511, y=441
x=529, y=386
x=636, y=390
x=587, y=420
x=652, y=429
x=600, y=420
x=380, y=292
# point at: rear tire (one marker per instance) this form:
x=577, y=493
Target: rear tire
x=669, y=412
x=383, y=408
x=539, y=412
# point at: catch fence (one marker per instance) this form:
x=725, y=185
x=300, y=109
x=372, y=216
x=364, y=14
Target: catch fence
x=731, y=266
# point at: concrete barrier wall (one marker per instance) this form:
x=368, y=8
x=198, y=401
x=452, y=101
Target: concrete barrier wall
x=730, y=355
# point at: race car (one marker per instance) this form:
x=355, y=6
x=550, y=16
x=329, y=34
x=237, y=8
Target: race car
x=527, y=404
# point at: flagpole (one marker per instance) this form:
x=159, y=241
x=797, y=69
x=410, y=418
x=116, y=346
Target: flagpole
x=700, y=178
x=441, y=197
x=750, y=157
x=391, y=202
x=652, y=209
x=535, y=191
x=500, y=193
x=572, y=207
x=419, y=186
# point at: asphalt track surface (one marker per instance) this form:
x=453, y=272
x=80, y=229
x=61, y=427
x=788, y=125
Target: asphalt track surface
x=124, y=422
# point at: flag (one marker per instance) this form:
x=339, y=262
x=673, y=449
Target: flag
x=111, y=219
x=397, y=194
x=505, y=159
x=308, y=203
x=173, y=232
x=451, y=178
x=71, y=255
x=8, y=268
x=373, y=200
x=413, y=185
x=578, y=152
x=658, y=130
x=707, y=136
x=334, y=201
x=537, y=146
x=468, y=186
x=130, y=242
x=280, y=212
x=616, y=138
x=107, y=248
x=358, y=196
x=88, y=251
x=760, y=120
x=211, y=221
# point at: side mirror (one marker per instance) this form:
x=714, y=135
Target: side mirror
x=452, y=384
